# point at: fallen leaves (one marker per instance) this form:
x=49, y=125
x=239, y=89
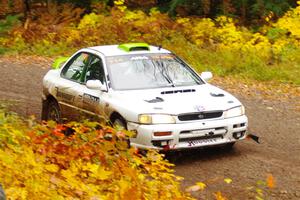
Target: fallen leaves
x=270, y=181
x=197, y=187
x=45, y=163
x=227, y=180
x=219, y=196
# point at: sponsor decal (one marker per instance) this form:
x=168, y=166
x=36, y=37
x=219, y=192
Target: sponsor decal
x=90, y=99
x=139, y=58
x=199, y=142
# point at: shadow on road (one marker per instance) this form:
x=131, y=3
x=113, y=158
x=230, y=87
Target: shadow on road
x=204, y=154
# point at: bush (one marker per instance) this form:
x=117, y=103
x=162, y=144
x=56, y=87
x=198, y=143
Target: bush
x=78, y=161
x=9, y=22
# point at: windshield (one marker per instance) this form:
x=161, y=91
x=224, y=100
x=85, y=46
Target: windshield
x=144, y=71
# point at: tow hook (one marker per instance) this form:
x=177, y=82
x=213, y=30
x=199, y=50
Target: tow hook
x=253, y=137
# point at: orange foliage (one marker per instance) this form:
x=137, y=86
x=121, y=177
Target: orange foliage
x=92, y=162
x=270, y=181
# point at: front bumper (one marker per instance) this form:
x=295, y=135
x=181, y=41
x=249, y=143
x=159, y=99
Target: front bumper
x=189, y=135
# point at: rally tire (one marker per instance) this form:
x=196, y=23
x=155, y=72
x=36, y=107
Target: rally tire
x=229, y=146
x=53, y=112
x=119, y=122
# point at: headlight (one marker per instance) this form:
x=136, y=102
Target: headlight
x=234, y=112
x=156, y=119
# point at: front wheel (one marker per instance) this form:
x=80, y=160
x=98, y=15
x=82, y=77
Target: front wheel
x=52, y=112
x=229, y=146
x=119, y=123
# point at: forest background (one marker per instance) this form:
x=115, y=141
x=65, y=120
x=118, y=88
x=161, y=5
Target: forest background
x=250, y=39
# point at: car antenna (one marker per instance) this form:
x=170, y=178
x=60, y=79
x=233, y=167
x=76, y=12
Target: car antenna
x=159, y=47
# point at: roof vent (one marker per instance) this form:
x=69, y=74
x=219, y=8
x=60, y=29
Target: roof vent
x=134, y=47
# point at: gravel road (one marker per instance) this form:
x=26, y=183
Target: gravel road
x=276, y=122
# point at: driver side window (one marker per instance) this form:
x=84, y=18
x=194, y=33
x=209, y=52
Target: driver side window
x=95, y=70
x=75, y=69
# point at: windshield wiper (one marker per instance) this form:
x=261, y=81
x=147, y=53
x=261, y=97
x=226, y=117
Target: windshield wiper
x=164, y=73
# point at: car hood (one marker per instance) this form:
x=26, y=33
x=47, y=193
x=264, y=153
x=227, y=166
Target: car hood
x=177, y=100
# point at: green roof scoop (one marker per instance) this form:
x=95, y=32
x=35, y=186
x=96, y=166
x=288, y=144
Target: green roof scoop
x=134, y=47
x=58, y=62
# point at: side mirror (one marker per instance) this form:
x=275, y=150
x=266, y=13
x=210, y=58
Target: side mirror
x=95, y=85
x=206, y=75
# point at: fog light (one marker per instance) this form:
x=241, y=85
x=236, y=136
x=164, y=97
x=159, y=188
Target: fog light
x=166, y=133
x=238, y=135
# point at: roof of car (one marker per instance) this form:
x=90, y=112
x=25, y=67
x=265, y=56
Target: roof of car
x=114, y=50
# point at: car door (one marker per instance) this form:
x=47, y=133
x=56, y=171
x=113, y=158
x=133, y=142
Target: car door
x=92, y=103
x=69, y=88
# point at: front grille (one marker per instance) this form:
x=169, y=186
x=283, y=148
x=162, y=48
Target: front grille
x=200, y=138
x=200, y=115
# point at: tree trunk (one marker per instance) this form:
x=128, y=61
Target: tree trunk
x=244, y=11
x=26, y=13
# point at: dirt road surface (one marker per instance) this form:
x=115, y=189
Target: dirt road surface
x=275, y=121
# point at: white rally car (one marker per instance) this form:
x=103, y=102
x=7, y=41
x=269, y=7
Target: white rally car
x=147, y=90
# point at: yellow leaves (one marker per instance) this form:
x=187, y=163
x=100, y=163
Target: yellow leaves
x=91, y=168
x=123, y=187
x=52, y=168
x=120, y=5
x=291, y=23
x=227, y=180
x=119, y=2
x=101, y=173
x=89, y=20
x=201, y=185
x=154, y=11
x=183, y=20
x=134, y=15
x=67, y=174
x=269, y=16
x=16, y=193
x=219, y=196
x=197, y=187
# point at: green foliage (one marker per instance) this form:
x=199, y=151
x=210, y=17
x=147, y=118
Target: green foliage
x=9, y=22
